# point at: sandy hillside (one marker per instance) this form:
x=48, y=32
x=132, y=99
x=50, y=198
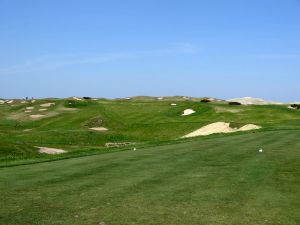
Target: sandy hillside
x=253, y=101
x=219, y=127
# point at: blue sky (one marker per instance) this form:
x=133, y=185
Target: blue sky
x=117, y=48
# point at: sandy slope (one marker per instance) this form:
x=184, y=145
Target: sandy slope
x=219, y=127
x=253, y=101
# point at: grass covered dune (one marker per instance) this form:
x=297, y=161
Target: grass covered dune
x=79, y=126
x=219, y=181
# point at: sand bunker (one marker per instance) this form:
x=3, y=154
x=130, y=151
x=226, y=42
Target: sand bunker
x=173, y=104
x=2, y=102
x=98, y=128
x=47, y=104
x=220, y=127
x=29, y=108
x=32, y=101
x=51, y=151
x=160, y=98
x=42, y=110
x=36, y=116
x=28, y=111
x=187, y=112
x=9, y=102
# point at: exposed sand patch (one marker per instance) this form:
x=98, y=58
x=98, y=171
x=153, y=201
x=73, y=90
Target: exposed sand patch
x=173, y=104
x=28, y=111
x=224, y=109
x=78, y=99
x=22, y=102
x=47, y=104
x=42, y=110
x=2, y=102
x=249, y=127
x=68, y=109
x=187, y=112
x=30, y=108
x=36, y=116
x=253, y=101
x=32, y=101
x=26, y=130
x=160, y=98
x=290, y=107
x=118, y=144
x=98, y=128
x=219, y=127
x=9, y=102
x=51, y=151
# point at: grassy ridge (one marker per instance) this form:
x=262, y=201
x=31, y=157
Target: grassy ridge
x=220, y=181
x=139, y=120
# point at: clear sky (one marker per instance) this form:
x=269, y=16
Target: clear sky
x=119, y=48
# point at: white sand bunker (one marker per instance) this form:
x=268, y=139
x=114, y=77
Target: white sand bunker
x=2, y=102
x=28, y=111
x=220, y=127
x=42, y=110
x=51, y=151
x=98, y=128
x=173, y=104
x=47, y=104
x=187, y=112
x=36, y=116
x=29, y=108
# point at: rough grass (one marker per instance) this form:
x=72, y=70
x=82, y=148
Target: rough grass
x=139, y=120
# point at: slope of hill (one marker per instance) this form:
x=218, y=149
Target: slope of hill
x=65, y=123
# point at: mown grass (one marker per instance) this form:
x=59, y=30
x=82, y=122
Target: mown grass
x=222, y=180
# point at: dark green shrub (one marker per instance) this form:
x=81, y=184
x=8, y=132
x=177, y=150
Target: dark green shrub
x=234, y=103
x=295, y=106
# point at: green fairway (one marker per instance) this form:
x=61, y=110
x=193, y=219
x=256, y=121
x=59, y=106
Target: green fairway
x=221, y=180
